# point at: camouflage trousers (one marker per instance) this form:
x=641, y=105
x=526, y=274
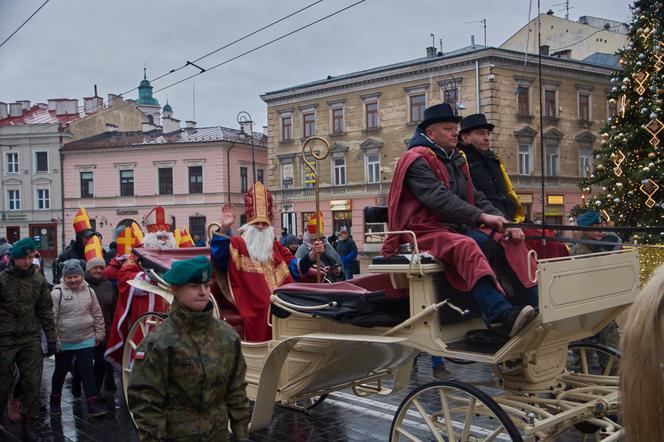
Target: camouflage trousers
x=29, y=360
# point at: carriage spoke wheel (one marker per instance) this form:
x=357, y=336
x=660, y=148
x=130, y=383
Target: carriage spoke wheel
x=139, y=330
x=594, y=359
x=449, y=411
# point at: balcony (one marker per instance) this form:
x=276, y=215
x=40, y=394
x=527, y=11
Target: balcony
x=549, y=181
x=307, y=193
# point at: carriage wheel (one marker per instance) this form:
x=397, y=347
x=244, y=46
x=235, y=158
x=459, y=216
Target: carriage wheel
x=597, y=359
x=139, y=330
x=451, y=411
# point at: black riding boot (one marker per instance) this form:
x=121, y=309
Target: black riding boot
x=29, y=433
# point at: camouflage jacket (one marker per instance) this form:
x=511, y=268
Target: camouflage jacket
x=188, y=380
x=25, y=307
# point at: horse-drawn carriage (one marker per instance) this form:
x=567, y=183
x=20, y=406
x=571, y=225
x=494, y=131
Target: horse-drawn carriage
x=364, y=334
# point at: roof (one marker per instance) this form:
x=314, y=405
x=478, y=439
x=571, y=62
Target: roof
x=168, y=108
x=604, y=59
x=39, y=114
x=389, y=67
x=155, y=137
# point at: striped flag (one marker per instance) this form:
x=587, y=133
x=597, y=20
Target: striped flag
x=93, y=248
x=184, y=238
x=81, y=221
x=124, y=242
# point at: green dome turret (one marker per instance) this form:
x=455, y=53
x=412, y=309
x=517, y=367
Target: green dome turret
x=145, y=92
x=167, y=108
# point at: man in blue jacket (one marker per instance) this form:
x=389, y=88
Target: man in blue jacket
x=347, y=251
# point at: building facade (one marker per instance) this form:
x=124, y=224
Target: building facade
x=191, y=172
x=369, y=117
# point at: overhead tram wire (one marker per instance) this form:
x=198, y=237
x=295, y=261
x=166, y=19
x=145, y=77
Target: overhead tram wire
x=261, y=46
x=244, y=37
x=23, y=24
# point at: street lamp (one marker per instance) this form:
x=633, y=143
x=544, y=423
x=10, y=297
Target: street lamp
x=457, y=104
x=246, y=127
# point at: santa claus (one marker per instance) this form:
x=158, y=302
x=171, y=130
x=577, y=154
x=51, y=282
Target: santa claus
x=255, y=263
x=132, y=302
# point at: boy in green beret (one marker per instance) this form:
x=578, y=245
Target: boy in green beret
x=188, y=376
x=25, y=309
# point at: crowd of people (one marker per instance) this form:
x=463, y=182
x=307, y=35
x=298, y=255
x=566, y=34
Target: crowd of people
x=449, y=188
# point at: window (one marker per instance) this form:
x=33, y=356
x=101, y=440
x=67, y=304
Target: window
x=338, y=120
x=287, y=128
x=43, y=199
x=287, y=175
x=244, y=181
x=585, y=161
x=308, y=125
x=87, y=186
x=552, y=157
x=126, y=183
x=259, y=175
x=195, y=179
x=339, y=171
x=12, y=162
x=550, y=104
x=523, y=100
x=612, y=108
x=525, y=158
x=41, y=161
x=417, y=104
x=584, y=107
x=165, y=181
x=371, y=110
x=13, y=199
x=197, y=226
x=305, y=219
x=373, y=168
x=451, y=97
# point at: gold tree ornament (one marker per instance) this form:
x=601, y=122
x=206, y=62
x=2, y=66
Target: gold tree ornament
x=654, y=127
x=619, y=158
x=623, y=105
x=649, y=188
x=641, y=77
x=659, y=58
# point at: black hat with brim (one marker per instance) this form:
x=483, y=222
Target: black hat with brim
x=439, y=113
x=475, y=121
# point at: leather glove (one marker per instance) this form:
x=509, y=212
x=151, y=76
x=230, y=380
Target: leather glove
x=51, y=349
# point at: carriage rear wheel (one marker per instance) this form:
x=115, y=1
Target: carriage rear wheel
x=594, y=359
x=451, y=411
x=144, y=325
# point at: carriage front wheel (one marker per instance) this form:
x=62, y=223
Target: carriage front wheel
x=451, y=411
x=145, y=324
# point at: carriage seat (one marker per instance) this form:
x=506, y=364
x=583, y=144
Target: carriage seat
x=367, y=301
x=402, y=259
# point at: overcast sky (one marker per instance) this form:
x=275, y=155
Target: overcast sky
x=70, y=45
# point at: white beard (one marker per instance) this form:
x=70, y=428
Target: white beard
x=151, y=241
x=259, y=242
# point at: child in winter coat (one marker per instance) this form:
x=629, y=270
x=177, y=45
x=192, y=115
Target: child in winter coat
x=79, y=323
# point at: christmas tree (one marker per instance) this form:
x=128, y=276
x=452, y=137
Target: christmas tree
x=627, y=184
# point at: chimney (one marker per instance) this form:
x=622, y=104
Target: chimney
x=431, y=51
x=191, y=124
x=25, y=104
x=4, y=111
x=170, y=125
x=472, y=40
x=544, y=49
x=92, y=104
x=66, y=106
x=114, y=99
x=52, y=102
x=111, y=128
x=15, y=109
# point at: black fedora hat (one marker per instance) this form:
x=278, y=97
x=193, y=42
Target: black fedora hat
x=439, y=113
x=475, y=121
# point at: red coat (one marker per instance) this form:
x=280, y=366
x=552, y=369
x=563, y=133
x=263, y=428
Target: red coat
x=464, y=260
x=132, y=303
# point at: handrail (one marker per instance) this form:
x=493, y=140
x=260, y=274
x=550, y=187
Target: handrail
x=416, y=258
x=532, y=253
x=276, y=300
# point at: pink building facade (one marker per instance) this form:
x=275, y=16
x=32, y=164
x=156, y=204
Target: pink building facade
x=120, y=176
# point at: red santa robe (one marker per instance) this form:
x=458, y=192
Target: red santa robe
x=464, y=260
x=132, y=303
x=252, y=282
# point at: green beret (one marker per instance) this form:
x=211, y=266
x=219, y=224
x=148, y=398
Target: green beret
x=22, y=248
x=195, y=270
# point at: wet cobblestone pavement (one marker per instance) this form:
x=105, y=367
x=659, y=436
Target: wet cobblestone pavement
x=341, y=417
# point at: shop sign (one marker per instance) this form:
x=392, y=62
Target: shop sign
x=525, y=198
x=309, y=176
x=126, y=212
x=337, y=205
x=554, y=210
x=555, y=200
